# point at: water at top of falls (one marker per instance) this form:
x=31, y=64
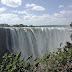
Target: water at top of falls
x=37, y=27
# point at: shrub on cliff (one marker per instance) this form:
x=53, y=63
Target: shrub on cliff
x=60, y=61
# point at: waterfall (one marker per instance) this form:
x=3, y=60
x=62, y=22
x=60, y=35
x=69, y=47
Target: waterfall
x=33, y=40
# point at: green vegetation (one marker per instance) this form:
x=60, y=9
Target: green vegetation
x=71, y=24
x=20, y=25
x=4, y=25
x=16, y=25
x=60, y=61
x=33, y=29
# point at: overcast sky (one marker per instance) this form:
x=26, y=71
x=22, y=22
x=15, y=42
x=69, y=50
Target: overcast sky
x=36, y=12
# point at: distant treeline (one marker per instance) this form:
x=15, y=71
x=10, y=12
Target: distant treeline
x=17, y=25
x=22, y=25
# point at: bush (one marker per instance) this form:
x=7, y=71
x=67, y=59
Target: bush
x=60, y=61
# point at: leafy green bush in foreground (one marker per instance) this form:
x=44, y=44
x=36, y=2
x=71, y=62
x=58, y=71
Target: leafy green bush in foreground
x=60, y=61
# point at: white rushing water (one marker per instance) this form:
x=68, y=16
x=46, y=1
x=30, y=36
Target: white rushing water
x=36, y=41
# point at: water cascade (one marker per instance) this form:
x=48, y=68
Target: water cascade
x=32, y=40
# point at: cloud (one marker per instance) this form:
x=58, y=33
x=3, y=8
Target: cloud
x=20, y=12
x=12, y=3
x=35, y=7
x=31, y=17
x=9, y=18
x=64, y=12
x=30, y=5
x=58, y=15
x=39, y=8
x=35, y=20
x=70, y=6
x=2, y=9
x=61, y=6
x=63, y=17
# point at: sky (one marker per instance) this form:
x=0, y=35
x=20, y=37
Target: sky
x=36, y=12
